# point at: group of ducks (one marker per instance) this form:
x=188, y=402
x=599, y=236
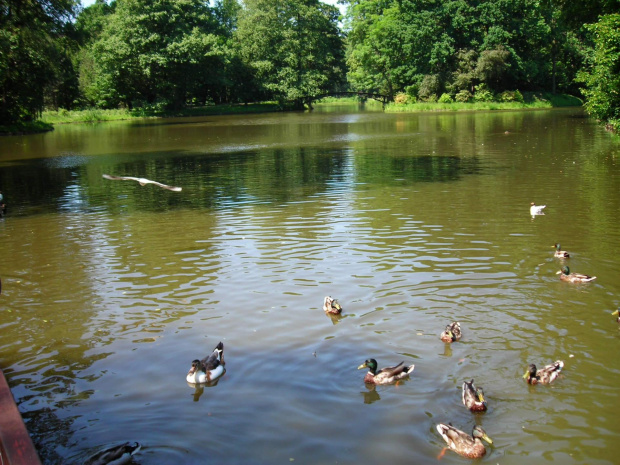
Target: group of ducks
x=565, y=274
x=211, y=368
x=470, y=446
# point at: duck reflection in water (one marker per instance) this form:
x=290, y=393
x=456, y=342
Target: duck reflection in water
x=371, y=395
x=200, y=388
x=447, y=350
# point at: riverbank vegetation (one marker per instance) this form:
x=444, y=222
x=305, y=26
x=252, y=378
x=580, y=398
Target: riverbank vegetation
x=185, y=57
x=97, y=115
x=504, y=101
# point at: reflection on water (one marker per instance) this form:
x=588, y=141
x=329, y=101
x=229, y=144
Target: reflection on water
x=110, y=290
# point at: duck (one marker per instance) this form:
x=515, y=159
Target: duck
x=473, y=397
x=566, y=275
x=384, y=375
x=452, y=332
x=209, y=368
x=536, y=209
x=462, y=443
x=559, y=253
x=331, y=305
x=545, y=375
x=116, y=455
x=617, y=314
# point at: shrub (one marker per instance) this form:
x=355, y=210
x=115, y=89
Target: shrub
x=401, y=98
x=412, y=92
x=463, y=96
x=445, y=98
x=483, y=94
x=429, y=88
x=511, y=96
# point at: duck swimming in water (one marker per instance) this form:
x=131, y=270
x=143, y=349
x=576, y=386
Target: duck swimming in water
x=473, y=397
x=462, y=443
x=209, y=368
x=536, y=209
x=566, y=275
x=117, y=455
x=545, y=375
x=384, y=375
x=559, y=253
x=331, y=305
x=452, y=332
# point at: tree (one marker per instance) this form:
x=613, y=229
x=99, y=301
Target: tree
x=293, y=47
x=30, y=31
x=394, y=45
x=602, y=78
x=164, y=51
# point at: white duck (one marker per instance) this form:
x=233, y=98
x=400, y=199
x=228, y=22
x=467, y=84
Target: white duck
x=209, y=368
x=536, y=209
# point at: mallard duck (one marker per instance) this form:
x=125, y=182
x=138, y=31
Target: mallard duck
x=545, y=375
x=462, y=443
x=330, y=305
x=617, y=314
x=559, y=253
x=452, y=332
x=142, y=182
x=566, y=275
x=116, y=455
x=209, y=368
x=536, y=209
x=473, y=397
x=385, y=375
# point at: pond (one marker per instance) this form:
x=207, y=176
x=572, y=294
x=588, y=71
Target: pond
x=110, y=289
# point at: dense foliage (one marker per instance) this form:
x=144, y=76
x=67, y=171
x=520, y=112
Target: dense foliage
x=430, y=47
x=33, y=55
x=602, y=77
x=161, y=55
x=294, y=47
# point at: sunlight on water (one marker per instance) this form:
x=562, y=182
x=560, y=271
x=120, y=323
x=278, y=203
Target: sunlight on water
x=111, y=289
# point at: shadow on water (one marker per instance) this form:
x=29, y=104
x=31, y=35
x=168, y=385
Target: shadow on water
x=73, y=183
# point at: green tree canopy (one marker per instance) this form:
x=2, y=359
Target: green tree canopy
x=156, y=51
x=602, y=79
x=32, y=52
x=394, y=45
x=293, y=47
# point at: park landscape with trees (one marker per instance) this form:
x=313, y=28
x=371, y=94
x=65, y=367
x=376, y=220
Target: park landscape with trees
x=169, y=57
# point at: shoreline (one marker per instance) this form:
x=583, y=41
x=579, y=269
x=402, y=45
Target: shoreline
x=92, y=116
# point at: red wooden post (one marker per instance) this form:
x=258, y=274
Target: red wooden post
x=16, y=447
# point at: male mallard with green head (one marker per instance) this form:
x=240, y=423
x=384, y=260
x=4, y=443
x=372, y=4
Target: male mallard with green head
x=462, y=443
x=209, y=368
x=331, y=305
x=452, y=332
x=617, y=314
x=545, y=375
x=559, y=253
x=385, y=375
x=473, y=397
x=566, y=275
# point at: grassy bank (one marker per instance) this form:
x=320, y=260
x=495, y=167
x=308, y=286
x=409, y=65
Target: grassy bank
x=49, y=118
x=96, y=115
x=25, y=128
x=531, y=101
